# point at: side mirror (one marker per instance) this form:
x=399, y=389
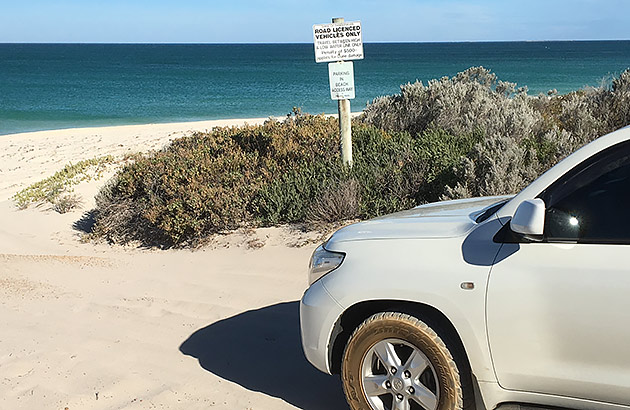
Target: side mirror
x=529, y=218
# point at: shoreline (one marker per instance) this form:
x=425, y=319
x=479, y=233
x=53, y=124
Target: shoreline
x=178, y=125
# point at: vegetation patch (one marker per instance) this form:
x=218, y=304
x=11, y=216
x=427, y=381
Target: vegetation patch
x=57, y=189
x=516, y=136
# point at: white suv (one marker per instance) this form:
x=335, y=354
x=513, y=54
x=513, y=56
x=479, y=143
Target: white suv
x=487, y=302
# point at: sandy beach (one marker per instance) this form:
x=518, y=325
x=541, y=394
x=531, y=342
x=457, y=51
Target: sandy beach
x=94, y=326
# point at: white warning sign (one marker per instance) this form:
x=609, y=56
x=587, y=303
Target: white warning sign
x=341, y=77
x=338, y=41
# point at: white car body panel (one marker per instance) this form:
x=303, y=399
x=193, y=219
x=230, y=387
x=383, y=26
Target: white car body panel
x=568, y=332
x=517, y=341
x=317, y=306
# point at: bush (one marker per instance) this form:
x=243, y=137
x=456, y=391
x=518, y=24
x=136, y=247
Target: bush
x=471, y=102
x=337, y=202
x=389, y=169
x=288, y=198
x=66, y=203
x=517, y=137
x=442, y=153
x=206, y=183
x=495, y=166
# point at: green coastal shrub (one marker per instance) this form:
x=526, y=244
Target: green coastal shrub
x=206, y=183
x=288, y=198
x=389, y=170
x=520, y=136
x=442, y=153
x=471, y=102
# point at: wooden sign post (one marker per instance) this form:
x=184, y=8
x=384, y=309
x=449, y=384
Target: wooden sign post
x=335, y=43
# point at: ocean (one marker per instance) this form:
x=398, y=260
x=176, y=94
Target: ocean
x=51, y=86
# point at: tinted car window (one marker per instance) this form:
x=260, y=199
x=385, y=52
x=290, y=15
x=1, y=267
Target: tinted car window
x=591, y=203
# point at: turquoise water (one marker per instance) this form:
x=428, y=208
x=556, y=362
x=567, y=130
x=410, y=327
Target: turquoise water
x=48, y=86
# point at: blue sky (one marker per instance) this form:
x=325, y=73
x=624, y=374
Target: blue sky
x=284, y=21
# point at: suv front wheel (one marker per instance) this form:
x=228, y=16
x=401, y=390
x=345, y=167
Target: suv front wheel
x=396, y=361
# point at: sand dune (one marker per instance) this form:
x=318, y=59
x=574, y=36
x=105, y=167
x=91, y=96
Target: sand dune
x=91, y=326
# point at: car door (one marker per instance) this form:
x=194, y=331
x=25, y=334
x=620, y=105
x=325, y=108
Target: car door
x=558, y=307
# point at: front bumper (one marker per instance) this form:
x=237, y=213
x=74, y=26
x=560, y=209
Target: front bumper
x=318, y=314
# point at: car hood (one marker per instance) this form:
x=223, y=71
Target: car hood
x=446, y=219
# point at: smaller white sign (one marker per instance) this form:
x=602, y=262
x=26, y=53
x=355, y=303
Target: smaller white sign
x=341, y=77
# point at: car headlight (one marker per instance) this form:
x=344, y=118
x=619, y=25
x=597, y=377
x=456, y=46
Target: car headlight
x=322, y=262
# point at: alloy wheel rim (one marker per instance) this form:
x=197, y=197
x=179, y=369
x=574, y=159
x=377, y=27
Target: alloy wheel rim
x=397, y=375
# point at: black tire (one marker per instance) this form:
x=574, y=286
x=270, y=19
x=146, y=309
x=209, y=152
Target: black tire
x=362, y=366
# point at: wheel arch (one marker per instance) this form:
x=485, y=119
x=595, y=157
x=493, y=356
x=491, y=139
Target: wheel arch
x=352, y=317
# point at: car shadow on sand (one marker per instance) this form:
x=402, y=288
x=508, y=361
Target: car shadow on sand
x=261, y=351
